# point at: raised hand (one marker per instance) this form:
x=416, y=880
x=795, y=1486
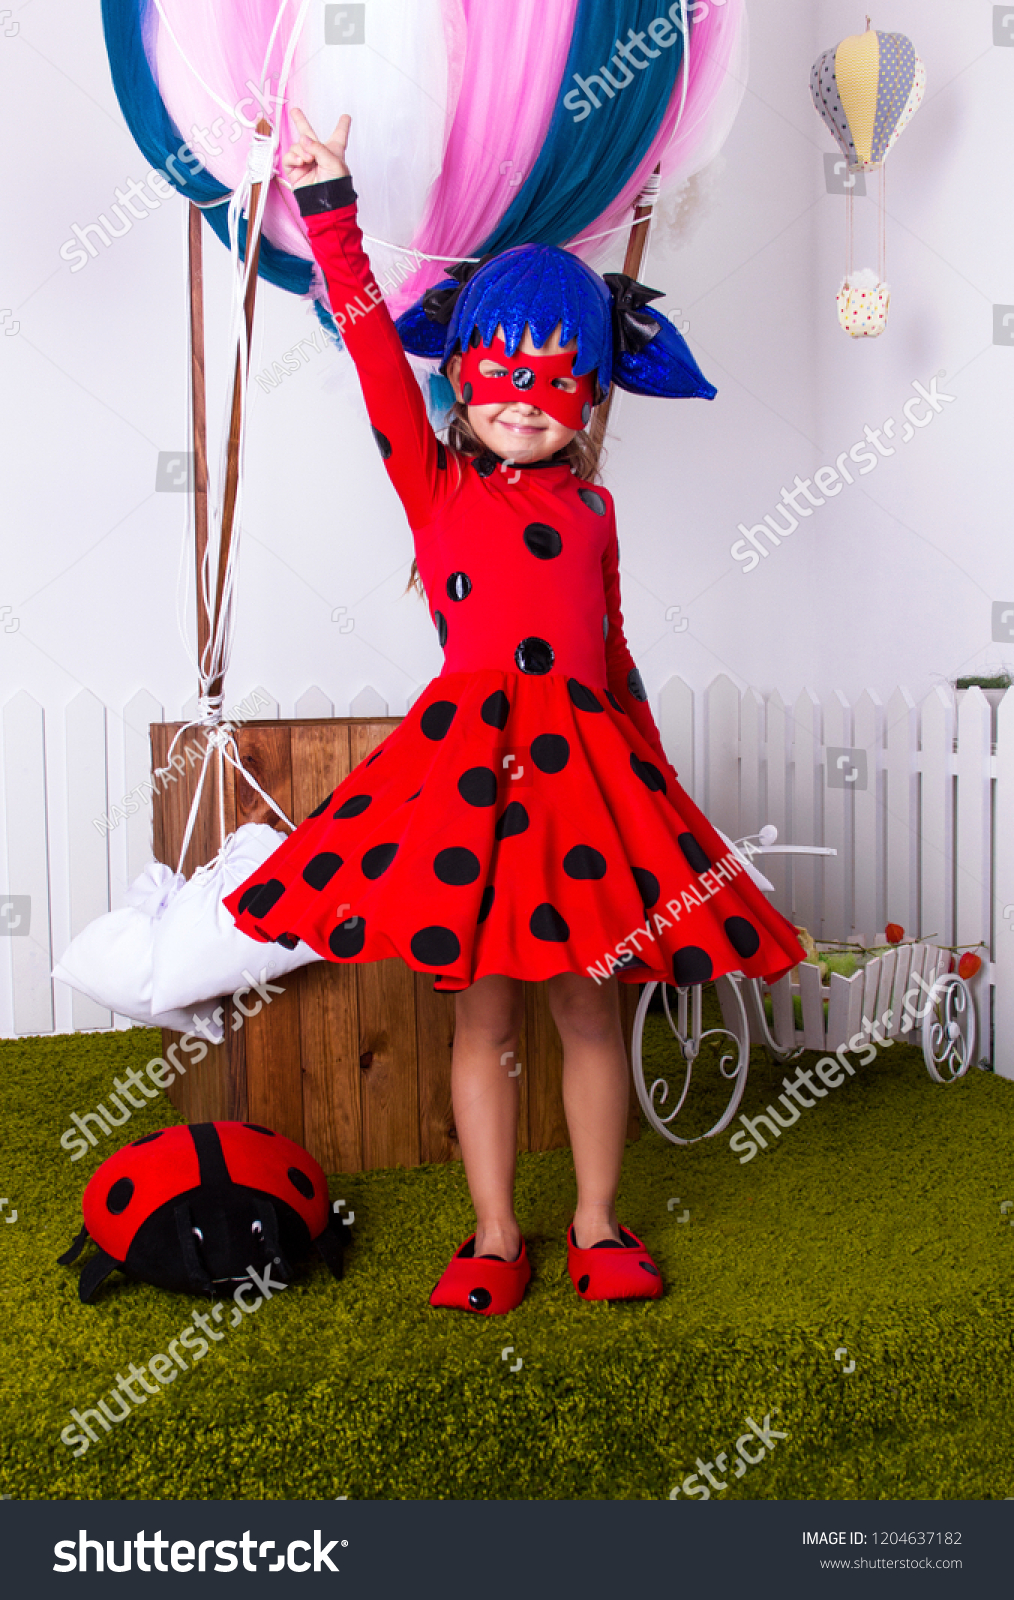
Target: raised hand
x=310, y=161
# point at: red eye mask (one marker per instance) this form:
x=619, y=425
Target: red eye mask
x=528, y=379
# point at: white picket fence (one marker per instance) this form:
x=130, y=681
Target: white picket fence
x=921, y=822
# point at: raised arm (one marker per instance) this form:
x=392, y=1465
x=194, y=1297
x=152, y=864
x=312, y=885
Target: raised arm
x=416, y=462
x=622, y=675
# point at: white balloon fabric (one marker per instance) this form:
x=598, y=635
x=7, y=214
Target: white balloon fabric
x=110, y=961
x=173, y=951
x=199, y=953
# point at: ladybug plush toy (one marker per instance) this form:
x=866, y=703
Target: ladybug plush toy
x=192, y=1209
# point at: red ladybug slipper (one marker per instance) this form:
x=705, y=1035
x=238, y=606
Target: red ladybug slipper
x=610, y=1271
x=482, y=1283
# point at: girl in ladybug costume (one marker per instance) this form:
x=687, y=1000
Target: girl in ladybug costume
x=523, y=818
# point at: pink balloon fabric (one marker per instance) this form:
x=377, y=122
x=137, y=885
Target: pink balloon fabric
x=515, y=53
x=227, y=44
x=712, y=44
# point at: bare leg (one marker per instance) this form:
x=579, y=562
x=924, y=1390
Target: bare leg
x=488, y=1018
x=595, y=1097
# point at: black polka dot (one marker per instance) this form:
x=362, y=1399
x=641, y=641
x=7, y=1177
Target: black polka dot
x=534, y=655
x=479, y=1299
x=691, y=965
x=635, y=683
x=513, y=819
x=546, y=923
x=374, y=756
x=586, y=412
x=593, y=501
x=301, y=1182
x=147, y=1138
x=459, y=586
x=486, y=464
x=614, y=702
x=628, y=961
x=543, y=541
x=348, y=938
x=288, y=941
x=743, y=936
x=486, y=903
x=441, y=622
x=582, y=697
x=441, y=456
x=319, y=812
x=466, y=393
x=550, y=752
x=583, y=1282
x=435, y=947
x=693, y=852
x=456, y=865
x=377, y=859
x=255, y=1127
x=120, y=1196
x=478, y=786
x=260, y=897
x=352, y=808
x=437, y=718
x=648, y=885
x=319, y=871
x=648, y=773
x=584, y=862
x=383, y=443
x=413, y=796
x=496, y=708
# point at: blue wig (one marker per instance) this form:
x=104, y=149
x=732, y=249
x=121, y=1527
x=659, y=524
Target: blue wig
x=544, y=287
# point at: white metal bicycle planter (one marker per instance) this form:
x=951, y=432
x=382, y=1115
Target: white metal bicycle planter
x=909, y=985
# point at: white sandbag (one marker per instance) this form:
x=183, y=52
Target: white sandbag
x=199, y=953
x=110, y=961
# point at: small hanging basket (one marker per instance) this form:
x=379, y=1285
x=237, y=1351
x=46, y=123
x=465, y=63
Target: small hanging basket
x=863, y=301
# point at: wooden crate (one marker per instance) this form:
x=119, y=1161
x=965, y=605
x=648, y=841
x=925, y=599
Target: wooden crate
x=354, y=1062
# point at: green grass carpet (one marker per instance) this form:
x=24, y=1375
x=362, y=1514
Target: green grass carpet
x=874, y=1223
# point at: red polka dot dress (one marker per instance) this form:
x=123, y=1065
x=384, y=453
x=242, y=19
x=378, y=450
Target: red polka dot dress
x=523, y=818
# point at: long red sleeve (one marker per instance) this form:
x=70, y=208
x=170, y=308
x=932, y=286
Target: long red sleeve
x=622, y=675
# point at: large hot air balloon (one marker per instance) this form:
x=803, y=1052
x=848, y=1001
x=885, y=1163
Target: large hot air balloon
x=866, y=90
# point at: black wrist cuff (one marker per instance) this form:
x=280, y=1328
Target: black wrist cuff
x=312, y=198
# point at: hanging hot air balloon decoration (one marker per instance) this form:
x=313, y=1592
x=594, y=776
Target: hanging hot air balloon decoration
x=867, y=89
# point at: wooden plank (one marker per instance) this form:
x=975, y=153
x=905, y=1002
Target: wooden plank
x=141, y=710
x=31, y=953
x=368, y=704
x=751, y=741
x=812, y=1002
x=721, y=755
x=676, y=729
x=857, y=991
x=328, y=992
x=387, y=1027
x=776, y=797
x=1003, y=903
x=868, y=720
x=936, y=823
x=973, y=888
x=901, y=810
x=783, y=1022
x=838, y=1009
x=547, y=1123
x=87, y=846
x=271, y=1043
x=870, y=987
x=836, y=921
x=902, y=970
x=314, y=703
x=807, y=818
x=434, y=1024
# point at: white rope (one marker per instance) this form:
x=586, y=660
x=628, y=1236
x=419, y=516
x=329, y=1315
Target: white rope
x=205, y=86
x=217, y=652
